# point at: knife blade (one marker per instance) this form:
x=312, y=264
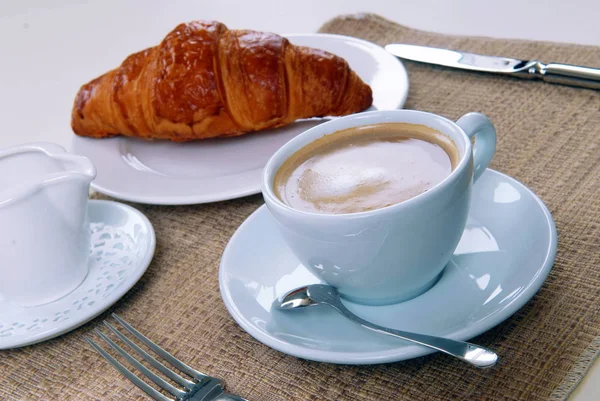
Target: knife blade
x=564, y=74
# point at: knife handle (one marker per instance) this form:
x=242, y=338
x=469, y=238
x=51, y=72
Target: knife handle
x=572, y=75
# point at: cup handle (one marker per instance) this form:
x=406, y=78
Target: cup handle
x=478, y=125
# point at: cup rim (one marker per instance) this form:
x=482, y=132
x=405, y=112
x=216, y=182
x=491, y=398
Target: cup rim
x=296, y=143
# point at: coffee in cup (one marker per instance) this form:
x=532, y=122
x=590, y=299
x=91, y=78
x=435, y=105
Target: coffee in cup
x=365, y=168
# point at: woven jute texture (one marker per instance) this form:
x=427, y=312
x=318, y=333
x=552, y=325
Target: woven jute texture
x=548, y=138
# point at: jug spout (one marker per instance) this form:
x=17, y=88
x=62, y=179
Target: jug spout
x=27, y=169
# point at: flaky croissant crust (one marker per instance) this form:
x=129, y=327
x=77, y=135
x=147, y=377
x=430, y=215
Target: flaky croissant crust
x=205, y=81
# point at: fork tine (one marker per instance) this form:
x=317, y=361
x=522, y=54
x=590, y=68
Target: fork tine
x=164, y=354
x=151, y=360
x=125, y=372
x=145, y=371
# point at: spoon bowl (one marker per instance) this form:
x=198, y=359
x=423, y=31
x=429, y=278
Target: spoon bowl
x=295, y=299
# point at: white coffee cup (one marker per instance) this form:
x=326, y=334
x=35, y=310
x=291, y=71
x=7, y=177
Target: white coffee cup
x=44, y=227
x=397, y=252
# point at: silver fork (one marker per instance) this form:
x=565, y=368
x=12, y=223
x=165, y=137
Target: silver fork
x=201, y=388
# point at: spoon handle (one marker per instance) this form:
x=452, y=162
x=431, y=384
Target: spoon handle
x=470, y=353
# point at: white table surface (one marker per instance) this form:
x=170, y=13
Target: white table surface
x=49, y=48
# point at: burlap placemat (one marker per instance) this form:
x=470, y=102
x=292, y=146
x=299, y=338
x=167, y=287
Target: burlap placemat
x=548, y=138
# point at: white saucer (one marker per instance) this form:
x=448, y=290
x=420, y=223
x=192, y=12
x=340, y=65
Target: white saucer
x=504, y=256
x=122, y=247
x=163, y=172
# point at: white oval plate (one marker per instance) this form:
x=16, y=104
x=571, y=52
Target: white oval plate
x=504, y=256
x=168, y=173
x=122, y=247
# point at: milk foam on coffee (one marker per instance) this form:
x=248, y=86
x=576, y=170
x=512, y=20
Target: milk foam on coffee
x=365, y=168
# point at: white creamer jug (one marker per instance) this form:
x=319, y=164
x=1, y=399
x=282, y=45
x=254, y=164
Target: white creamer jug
x=44, y=228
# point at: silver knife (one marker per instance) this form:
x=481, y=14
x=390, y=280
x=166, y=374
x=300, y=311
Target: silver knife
x=564, y=74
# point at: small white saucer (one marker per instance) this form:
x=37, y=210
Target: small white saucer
x=122, y=247
x=504, y=256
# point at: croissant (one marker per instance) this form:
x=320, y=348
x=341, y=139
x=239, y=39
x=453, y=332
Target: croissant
x=206, y=81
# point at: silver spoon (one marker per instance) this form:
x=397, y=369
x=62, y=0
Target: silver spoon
x=319, y=294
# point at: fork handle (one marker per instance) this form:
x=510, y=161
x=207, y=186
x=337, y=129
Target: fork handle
x=213, y=391
x=229, y=397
